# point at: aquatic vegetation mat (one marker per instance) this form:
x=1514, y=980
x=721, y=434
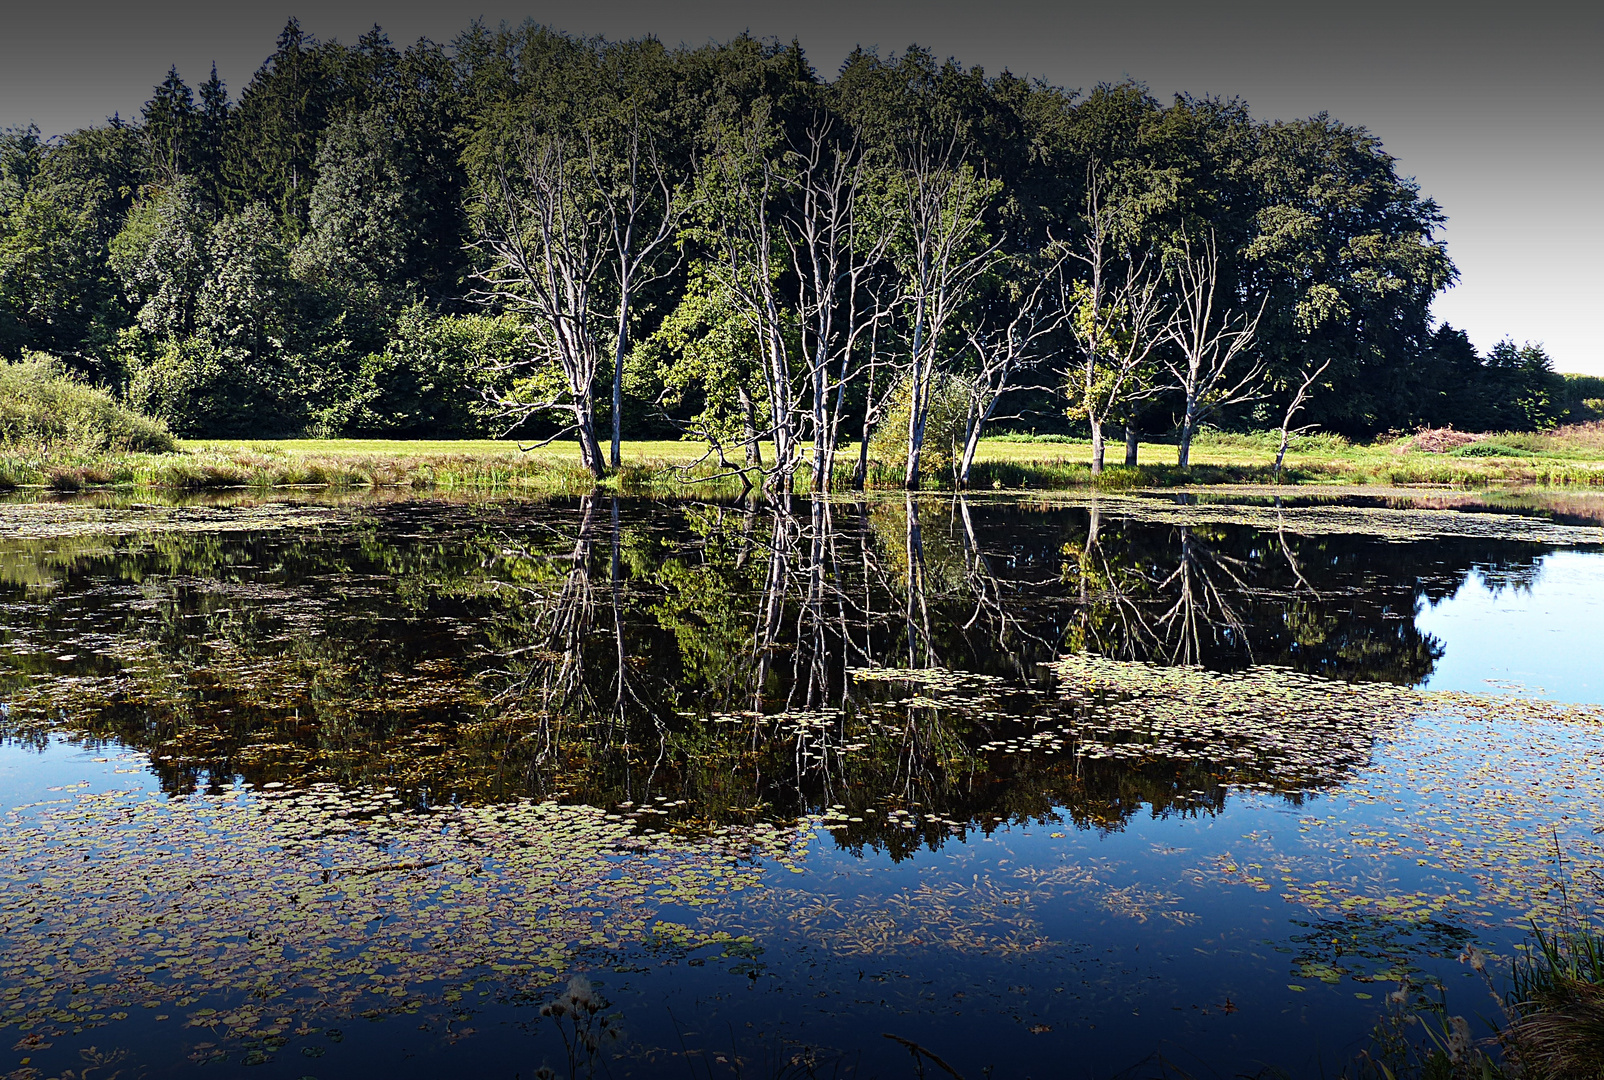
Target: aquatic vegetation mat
x=245, y=912
x=1402, y=524
x=35, y=520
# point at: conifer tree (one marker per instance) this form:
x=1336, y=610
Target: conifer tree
x=172, y=129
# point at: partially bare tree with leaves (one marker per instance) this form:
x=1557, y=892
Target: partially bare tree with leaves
x=1118, y=322
x=1210, y=363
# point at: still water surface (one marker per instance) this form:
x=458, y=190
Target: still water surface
x=357, y=789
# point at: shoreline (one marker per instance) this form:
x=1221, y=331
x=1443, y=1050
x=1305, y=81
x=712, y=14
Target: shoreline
x=669, y=469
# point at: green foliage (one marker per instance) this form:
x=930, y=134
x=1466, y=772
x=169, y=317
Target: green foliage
x=1582, y=396
x=429, y=378
x=700, y=362
x=193, y=387
x=289, y=232
x=364, y=211
x=42, y=405
x=160, y=256
x=944, y=429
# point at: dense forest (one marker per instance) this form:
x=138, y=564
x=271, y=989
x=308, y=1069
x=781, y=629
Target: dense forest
x=532, y=232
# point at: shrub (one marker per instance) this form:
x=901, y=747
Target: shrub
x=1490, y=449
x=944, y=428
x=196, y=389
x=41, y=404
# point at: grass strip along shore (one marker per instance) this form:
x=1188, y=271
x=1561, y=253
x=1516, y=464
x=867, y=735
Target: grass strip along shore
x=1565, y=457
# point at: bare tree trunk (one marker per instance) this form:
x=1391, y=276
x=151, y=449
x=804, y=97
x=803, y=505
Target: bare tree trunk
x=618, y=378
x=754, y=449
x=918, y=405
x=1188, y=429
x=823, y=451
x=1097, y=445
x=860, y=479
x=1133, y=437
x=590, y=453
x=860, y=475
x=971, y=446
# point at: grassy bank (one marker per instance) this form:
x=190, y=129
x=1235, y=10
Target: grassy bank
x=1568, y=457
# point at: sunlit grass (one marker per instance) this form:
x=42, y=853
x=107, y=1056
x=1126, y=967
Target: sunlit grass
x=1567, y=457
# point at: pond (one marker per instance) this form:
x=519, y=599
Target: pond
x=999, y=786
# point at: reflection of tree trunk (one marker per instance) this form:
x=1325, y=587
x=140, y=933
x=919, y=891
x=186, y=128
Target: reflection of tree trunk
x=771, y=605
x=748, y=524
x=917, y=610
x=1094, y=522
x=1286, y=549
x=990, y=601
x=1199, y=604
x=615, y=577
x=812, y=650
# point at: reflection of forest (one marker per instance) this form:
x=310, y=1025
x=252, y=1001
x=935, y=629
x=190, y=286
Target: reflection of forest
x=692, y=662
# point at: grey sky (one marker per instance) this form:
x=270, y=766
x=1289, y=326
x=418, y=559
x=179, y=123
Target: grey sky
x=1496, y=110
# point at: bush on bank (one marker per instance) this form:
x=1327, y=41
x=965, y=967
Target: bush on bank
x=43, y=406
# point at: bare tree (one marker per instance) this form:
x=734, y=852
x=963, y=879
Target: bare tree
x=1210, y=337
x=1294, y=406
x=643, y=208
x=1002, y=353
x=1117, y=323
x=836, y=252
x=944, y=252
x=544, y=234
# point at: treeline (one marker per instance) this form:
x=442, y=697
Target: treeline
x=598, y=238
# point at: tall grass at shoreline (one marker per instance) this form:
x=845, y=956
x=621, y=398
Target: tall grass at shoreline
x=1572, y=457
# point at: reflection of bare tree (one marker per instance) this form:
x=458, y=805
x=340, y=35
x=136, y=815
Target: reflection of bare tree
x=1201, y=608
x=575, y=632
x=917, y=608
x=998, y=602
x=565, y=623
x=1289, y=553
x=1111, y=620
x=1149, y=608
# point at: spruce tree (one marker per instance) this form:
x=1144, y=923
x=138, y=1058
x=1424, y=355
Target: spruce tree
x=213, y=116
x=172, y=129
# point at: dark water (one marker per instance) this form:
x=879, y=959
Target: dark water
x=358, y=789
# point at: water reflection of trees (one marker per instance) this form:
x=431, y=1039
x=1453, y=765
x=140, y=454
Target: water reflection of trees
x=696, y=660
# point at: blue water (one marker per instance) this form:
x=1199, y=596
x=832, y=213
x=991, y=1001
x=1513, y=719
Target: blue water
x=1543, y=632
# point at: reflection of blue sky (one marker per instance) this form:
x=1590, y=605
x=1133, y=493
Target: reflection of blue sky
x=1545, y=635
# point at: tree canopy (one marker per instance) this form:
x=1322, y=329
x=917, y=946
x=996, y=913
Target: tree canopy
x=525, y=227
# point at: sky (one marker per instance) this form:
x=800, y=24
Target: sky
x=1497, y=111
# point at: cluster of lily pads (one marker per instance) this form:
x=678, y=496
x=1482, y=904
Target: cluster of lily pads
x=241, y=910
x=1282, y=725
